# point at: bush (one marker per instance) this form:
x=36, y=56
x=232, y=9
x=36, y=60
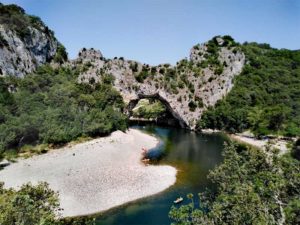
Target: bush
x=3, y=42
x=61, y=55
x=140, y=77
x=296, y=149
x=33, y=205
x=192, y=106
x=134, y=66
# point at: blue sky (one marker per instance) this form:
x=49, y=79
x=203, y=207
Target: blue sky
x=163, y=31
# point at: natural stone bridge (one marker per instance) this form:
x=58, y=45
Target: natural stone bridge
x=202, y=87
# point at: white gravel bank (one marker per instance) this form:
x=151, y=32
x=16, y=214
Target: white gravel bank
x=281, y=145
x=103, y=173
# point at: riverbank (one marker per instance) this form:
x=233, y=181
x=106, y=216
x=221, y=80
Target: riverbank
x=248, y=138
x=280, y=144
x=96, y=175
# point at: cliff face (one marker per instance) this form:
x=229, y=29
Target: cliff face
x=186, y=89
x=25, y=42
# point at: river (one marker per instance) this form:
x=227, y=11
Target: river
x=193, y=154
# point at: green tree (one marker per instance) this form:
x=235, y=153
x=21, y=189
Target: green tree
x=29, y=205
x=252, y=187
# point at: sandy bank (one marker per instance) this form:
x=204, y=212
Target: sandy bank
x=97, y=175
x=281, y=145
x=248, y=138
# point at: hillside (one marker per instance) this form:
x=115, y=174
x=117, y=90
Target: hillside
x=265, y=97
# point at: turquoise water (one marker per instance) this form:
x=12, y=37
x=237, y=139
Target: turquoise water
x=192, y=154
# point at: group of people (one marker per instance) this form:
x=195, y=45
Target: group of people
x=144, y=154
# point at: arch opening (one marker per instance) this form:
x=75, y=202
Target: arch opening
x=153, y=109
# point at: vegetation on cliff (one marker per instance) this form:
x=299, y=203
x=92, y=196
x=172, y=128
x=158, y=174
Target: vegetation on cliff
x=265, y=97
x=50, y=107
x=14, y=18
x=253, y=187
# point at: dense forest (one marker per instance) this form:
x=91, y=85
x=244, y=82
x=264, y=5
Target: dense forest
x=253, y=187
x=51, y=107
x=265, y=97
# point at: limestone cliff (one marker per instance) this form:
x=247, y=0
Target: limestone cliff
x=25, y=42
x=186, y=89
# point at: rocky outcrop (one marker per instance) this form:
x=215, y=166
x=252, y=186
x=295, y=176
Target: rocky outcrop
x=186, y=89
x=21, y=54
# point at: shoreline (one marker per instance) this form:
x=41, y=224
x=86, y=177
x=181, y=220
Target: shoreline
x=97, y=175
x=277, y=143
x=248, y=138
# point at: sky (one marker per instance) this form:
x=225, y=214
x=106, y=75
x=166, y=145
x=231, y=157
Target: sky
x=163, y=31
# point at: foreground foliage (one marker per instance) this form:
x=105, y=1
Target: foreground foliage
x=265, y=97
x=253, y=187
x=33, y=205
x=50, y=107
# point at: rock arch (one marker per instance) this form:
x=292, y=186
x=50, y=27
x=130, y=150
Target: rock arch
x=186, y=89
x=132, y=103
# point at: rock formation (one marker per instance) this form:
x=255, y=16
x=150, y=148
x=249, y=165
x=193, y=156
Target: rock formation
x=25, y=42
x=186, y=89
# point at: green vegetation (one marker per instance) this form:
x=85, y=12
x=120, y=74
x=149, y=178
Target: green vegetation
x=192, y=106
x=33, y=205
x=296, y=149
x=3, y=42
x=148, y=109
x=213, y=48
x=253, y=187
x=50, y=107
x=265, y=97
x=143, y=74
x=29, y=205
x=61, y=55
x=134, y=66
x=14, y=18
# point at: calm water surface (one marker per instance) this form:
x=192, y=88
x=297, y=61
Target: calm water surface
x=192, y=154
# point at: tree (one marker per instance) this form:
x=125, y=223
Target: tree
x=38, y=205
x=252, y=187
x=29, y=205
x=61, y=55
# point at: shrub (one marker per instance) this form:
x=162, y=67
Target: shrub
x=192, y=105
x=141, y=76
x=134, y=67
x=3, y=42
x=61, y=55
